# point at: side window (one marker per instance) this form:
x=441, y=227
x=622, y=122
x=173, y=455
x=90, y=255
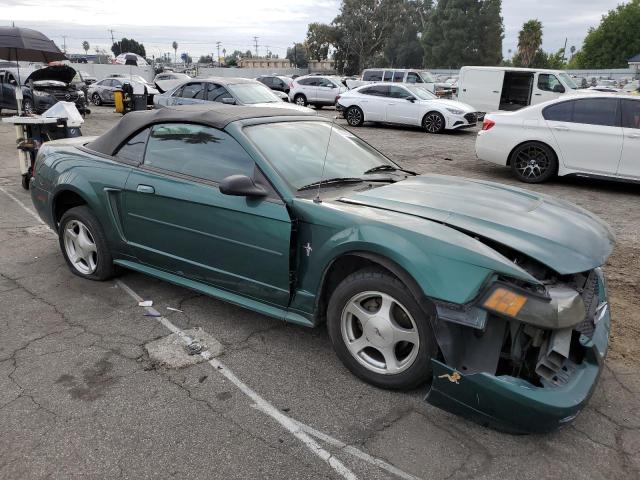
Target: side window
x=308, y=82
x=133, y=149
x=116, y=83
x=631, y=113
x=388, y=75
x=398, y=92
x=398, y=76
x=197, y=151
x=378, y=90
x=193, y=90
x=413, y=77
x=325, y=82
x=11, y=79
x=560, y=112
x=215, y=92
x=372, y=76
x=549, y=83
x=596, y=111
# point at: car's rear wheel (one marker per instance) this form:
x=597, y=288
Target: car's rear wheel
x=433, y=122
x=300, y=99
x=379, y=331
x=534, y=162
x=27, y=106
x=84, y=244
x=95, y=98
x=354, y=116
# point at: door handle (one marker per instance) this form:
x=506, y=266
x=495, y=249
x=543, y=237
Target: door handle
x=495, y=91
x=538, y=94
x=145, y=189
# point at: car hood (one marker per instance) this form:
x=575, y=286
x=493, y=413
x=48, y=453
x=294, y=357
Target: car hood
x=62, y=73
x=465, y=107
x=558, y=234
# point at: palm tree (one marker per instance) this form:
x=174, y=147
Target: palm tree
x=529, y=41
x=85, y=47
x=175, y=51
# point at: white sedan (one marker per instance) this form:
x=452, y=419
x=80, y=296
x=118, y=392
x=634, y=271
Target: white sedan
x=587, y=135
x=404, y=104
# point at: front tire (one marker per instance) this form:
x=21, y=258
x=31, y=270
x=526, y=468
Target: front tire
x=534, y=162
x=354, y=116
x=433, y=122
x=84, y=245
x=379, y=331
x=95, y=98
x=28, y=106
x=300, y=100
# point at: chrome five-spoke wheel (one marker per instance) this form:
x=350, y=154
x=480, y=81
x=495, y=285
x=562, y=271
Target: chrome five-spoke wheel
x=80, y=247
x=380, y=333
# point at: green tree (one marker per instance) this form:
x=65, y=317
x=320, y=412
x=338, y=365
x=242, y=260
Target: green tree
x=127, y=45
x=232, y=59
x=205, y=59
x=464, y=32
x=298, y=55
x=320, y=37
x=86, y=47
x=174, y=45
x=614, y=41
x=529, y=43
x=402, y=48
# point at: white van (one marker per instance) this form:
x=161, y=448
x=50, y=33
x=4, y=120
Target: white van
x=489, y=89
x=399, y=75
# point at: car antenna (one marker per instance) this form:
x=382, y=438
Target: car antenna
x=324, y=163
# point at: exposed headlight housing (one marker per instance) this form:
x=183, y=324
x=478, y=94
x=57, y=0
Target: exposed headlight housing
x=455, y=111
x=40, y=93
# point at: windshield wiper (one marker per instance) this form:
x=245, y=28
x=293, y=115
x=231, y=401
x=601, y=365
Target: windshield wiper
x=332, y=181
x=388, y=168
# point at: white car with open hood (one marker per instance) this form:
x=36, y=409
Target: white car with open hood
x=404, y=104
x=596, y=135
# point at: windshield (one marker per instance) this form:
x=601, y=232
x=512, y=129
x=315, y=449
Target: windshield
x=427, y=77
x=297, y=151
x=568, y=81
x=420, y=92
x=249, y=93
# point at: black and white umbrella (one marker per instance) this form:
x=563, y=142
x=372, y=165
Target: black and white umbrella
x=24, y=44
x=131, y=59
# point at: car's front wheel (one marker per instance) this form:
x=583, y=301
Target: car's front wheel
x=28, y=106
x=379, y=331
x=95, y=98
x=84, y=244
x=534, y=162
x=300, y=100
x=433, y=122
x=354, y=116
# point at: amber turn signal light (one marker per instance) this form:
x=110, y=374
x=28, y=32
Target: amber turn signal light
x=505, y=302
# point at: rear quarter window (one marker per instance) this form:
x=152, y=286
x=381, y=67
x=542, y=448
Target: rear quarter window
x=560, y=112
x=133, y=149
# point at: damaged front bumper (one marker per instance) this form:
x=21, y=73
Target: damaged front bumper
x=516, y=405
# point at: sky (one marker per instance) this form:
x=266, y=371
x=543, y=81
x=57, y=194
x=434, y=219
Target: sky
x=198, y=24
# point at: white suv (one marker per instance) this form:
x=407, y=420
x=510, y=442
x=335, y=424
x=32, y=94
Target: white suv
x=316, y=90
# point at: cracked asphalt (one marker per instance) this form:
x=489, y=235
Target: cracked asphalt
x=79, y=397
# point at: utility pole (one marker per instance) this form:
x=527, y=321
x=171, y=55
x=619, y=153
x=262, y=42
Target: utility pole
x=113, y=41
x=64, y=44
x=564, y=50
x=266, y=49
x=295, y=55
x=218, y=45
x=255, y=40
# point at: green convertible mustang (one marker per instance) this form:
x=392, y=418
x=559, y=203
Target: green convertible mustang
x=494, y=296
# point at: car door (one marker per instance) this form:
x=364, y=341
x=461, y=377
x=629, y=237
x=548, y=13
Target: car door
x=111, y=86
x=9, y=86
x=630, y=161
x=191, y=94
x=373, y=102
x=546, y=87
x=177, y=220
x=327, y=91
x=399, y=109
x=588, y=134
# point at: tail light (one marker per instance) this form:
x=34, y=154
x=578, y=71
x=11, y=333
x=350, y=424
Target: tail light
x=487, y=124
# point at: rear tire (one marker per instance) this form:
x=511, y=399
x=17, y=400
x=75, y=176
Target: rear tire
x=84, y=245
x=300, y=100
x=379, y=331
x=534, y=162
x=354, y=116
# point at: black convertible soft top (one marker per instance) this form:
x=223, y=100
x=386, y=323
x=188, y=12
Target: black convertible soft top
x=214, y=115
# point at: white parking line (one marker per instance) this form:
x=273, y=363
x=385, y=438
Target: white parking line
x=299, y=430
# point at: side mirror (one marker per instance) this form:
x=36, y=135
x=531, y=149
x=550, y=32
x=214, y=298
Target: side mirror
x=228, y=101
x=241, y=186
x=411, y=99
x=558, y=89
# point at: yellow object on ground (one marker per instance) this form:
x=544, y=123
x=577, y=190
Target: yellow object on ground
x=118, y=98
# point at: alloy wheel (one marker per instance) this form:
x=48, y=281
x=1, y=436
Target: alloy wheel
x=300, y=101
x=27, y=107
x=380, y=333
x=532, y=162
x=97, y=101
x=80, y=247
x=354, y=117
x=433, y=123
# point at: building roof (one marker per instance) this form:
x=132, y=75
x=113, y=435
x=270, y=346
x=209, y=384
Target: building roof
x=635, y=59
x=216, y=115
